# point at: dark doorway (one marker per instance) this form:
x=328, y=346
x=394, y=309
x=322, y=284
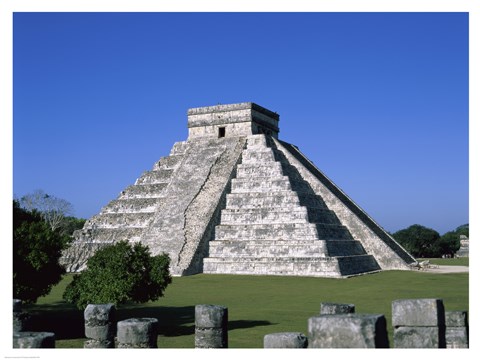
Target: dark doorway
x=221, y=132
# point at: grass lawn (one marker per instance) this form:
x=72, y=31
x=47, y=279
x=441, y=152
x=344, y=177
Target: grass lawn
x=257, y=305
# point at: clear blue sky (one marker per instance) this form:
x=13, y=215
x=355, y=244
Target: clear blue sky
x=378, y=101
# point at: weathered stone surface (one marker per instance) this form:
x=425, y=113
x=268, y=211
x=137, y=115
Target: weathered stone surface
x=137, y=333
x=456, y=319
x=464, y=247
x=418, y=312
x=211, y=326
x=20, y=318
x=456, y=332
x=285, y=340
x=99, y=344
x=456, y=338
x=99, y=314
x=30, y=340
x=232, y=181
x=348, y=331
x=335, y=308
x=419, y=337
x=100, y=325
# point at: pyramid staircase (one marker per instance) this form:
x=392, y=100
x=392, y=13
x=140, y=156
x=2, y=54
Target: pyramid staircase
x=126, y=217
x=274, y=223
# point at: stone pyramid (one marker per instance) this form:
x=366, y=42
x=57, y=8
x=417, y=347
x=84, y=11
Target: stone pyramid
x=233, y=199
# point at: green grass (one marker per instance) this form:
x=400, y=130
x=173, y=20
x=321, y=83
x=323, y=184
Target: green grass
x=257, y=305
x=454, y=262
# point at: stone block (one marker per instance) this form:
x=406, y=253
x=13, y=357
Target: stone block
x=456, y=332
x=285, y=340
x=137, y=333
x=418, y=312
x=348, y=331
x=456, y=319
x=20, y=318
x=100, y=325
x=100, y=332
x=419, y=337
x=19, y=321
x=211, y=322
x=456, y=337
x=30, y=340
x=334, y=308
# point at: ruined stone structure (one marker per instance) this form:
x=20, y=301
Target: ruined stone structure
x=234, y=199
x=464, y=246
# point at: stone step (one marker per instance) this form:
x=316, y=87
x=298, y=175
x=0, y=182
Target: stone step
x=287, y=214
x=273, y=199
x=259, y=169
x=267, y=248
x=142, y=191
x=155, y=177
x=146, y=205
x=275, y=248
x=179, y=148
x=299, y=266
x=258, y=156
x=344, y=248
x=292, y=231
x=256, y=141
x=352, y=265
x=269, y=184
x=168, y=162
x=261, y=184
x=114, y=234
x=121, y=220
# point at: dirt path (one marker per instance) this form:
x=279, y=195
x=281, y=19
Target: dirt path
x=444, y=269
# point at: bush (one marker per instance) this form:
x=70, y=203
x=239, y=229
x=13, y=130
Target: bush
x=119, y=274
x=419, y=241
x=36, y=253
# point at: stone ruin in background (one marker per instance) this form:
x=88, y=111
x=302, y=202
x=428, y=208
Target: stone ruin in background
x=234, y=199
x=464, y=246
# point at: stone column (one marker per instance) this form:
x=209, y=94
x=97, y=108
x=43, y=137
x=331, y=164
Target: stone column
x=19, y=317
x=348, y=331
x=30, y=340
x=211, y=326
x=137, y=333
x=285, y=340
x=100, y=326
x=418, y=323
x=456, y=331
x=334, y=308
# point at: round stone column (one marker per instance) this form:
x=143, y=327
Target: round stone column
x=211, y=326
x=137, y=333
x=100, y=326
x=19, y=317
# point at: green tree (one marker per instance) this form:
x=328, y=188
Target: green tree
x=419, y=241
x=36, y=252
x=449, y=243
x=118, y=274
x=70, y=224
x=463, y=230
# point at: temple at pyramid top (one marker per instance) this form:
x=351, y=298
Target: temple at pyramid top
x=234, y=199
x=232, y=120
